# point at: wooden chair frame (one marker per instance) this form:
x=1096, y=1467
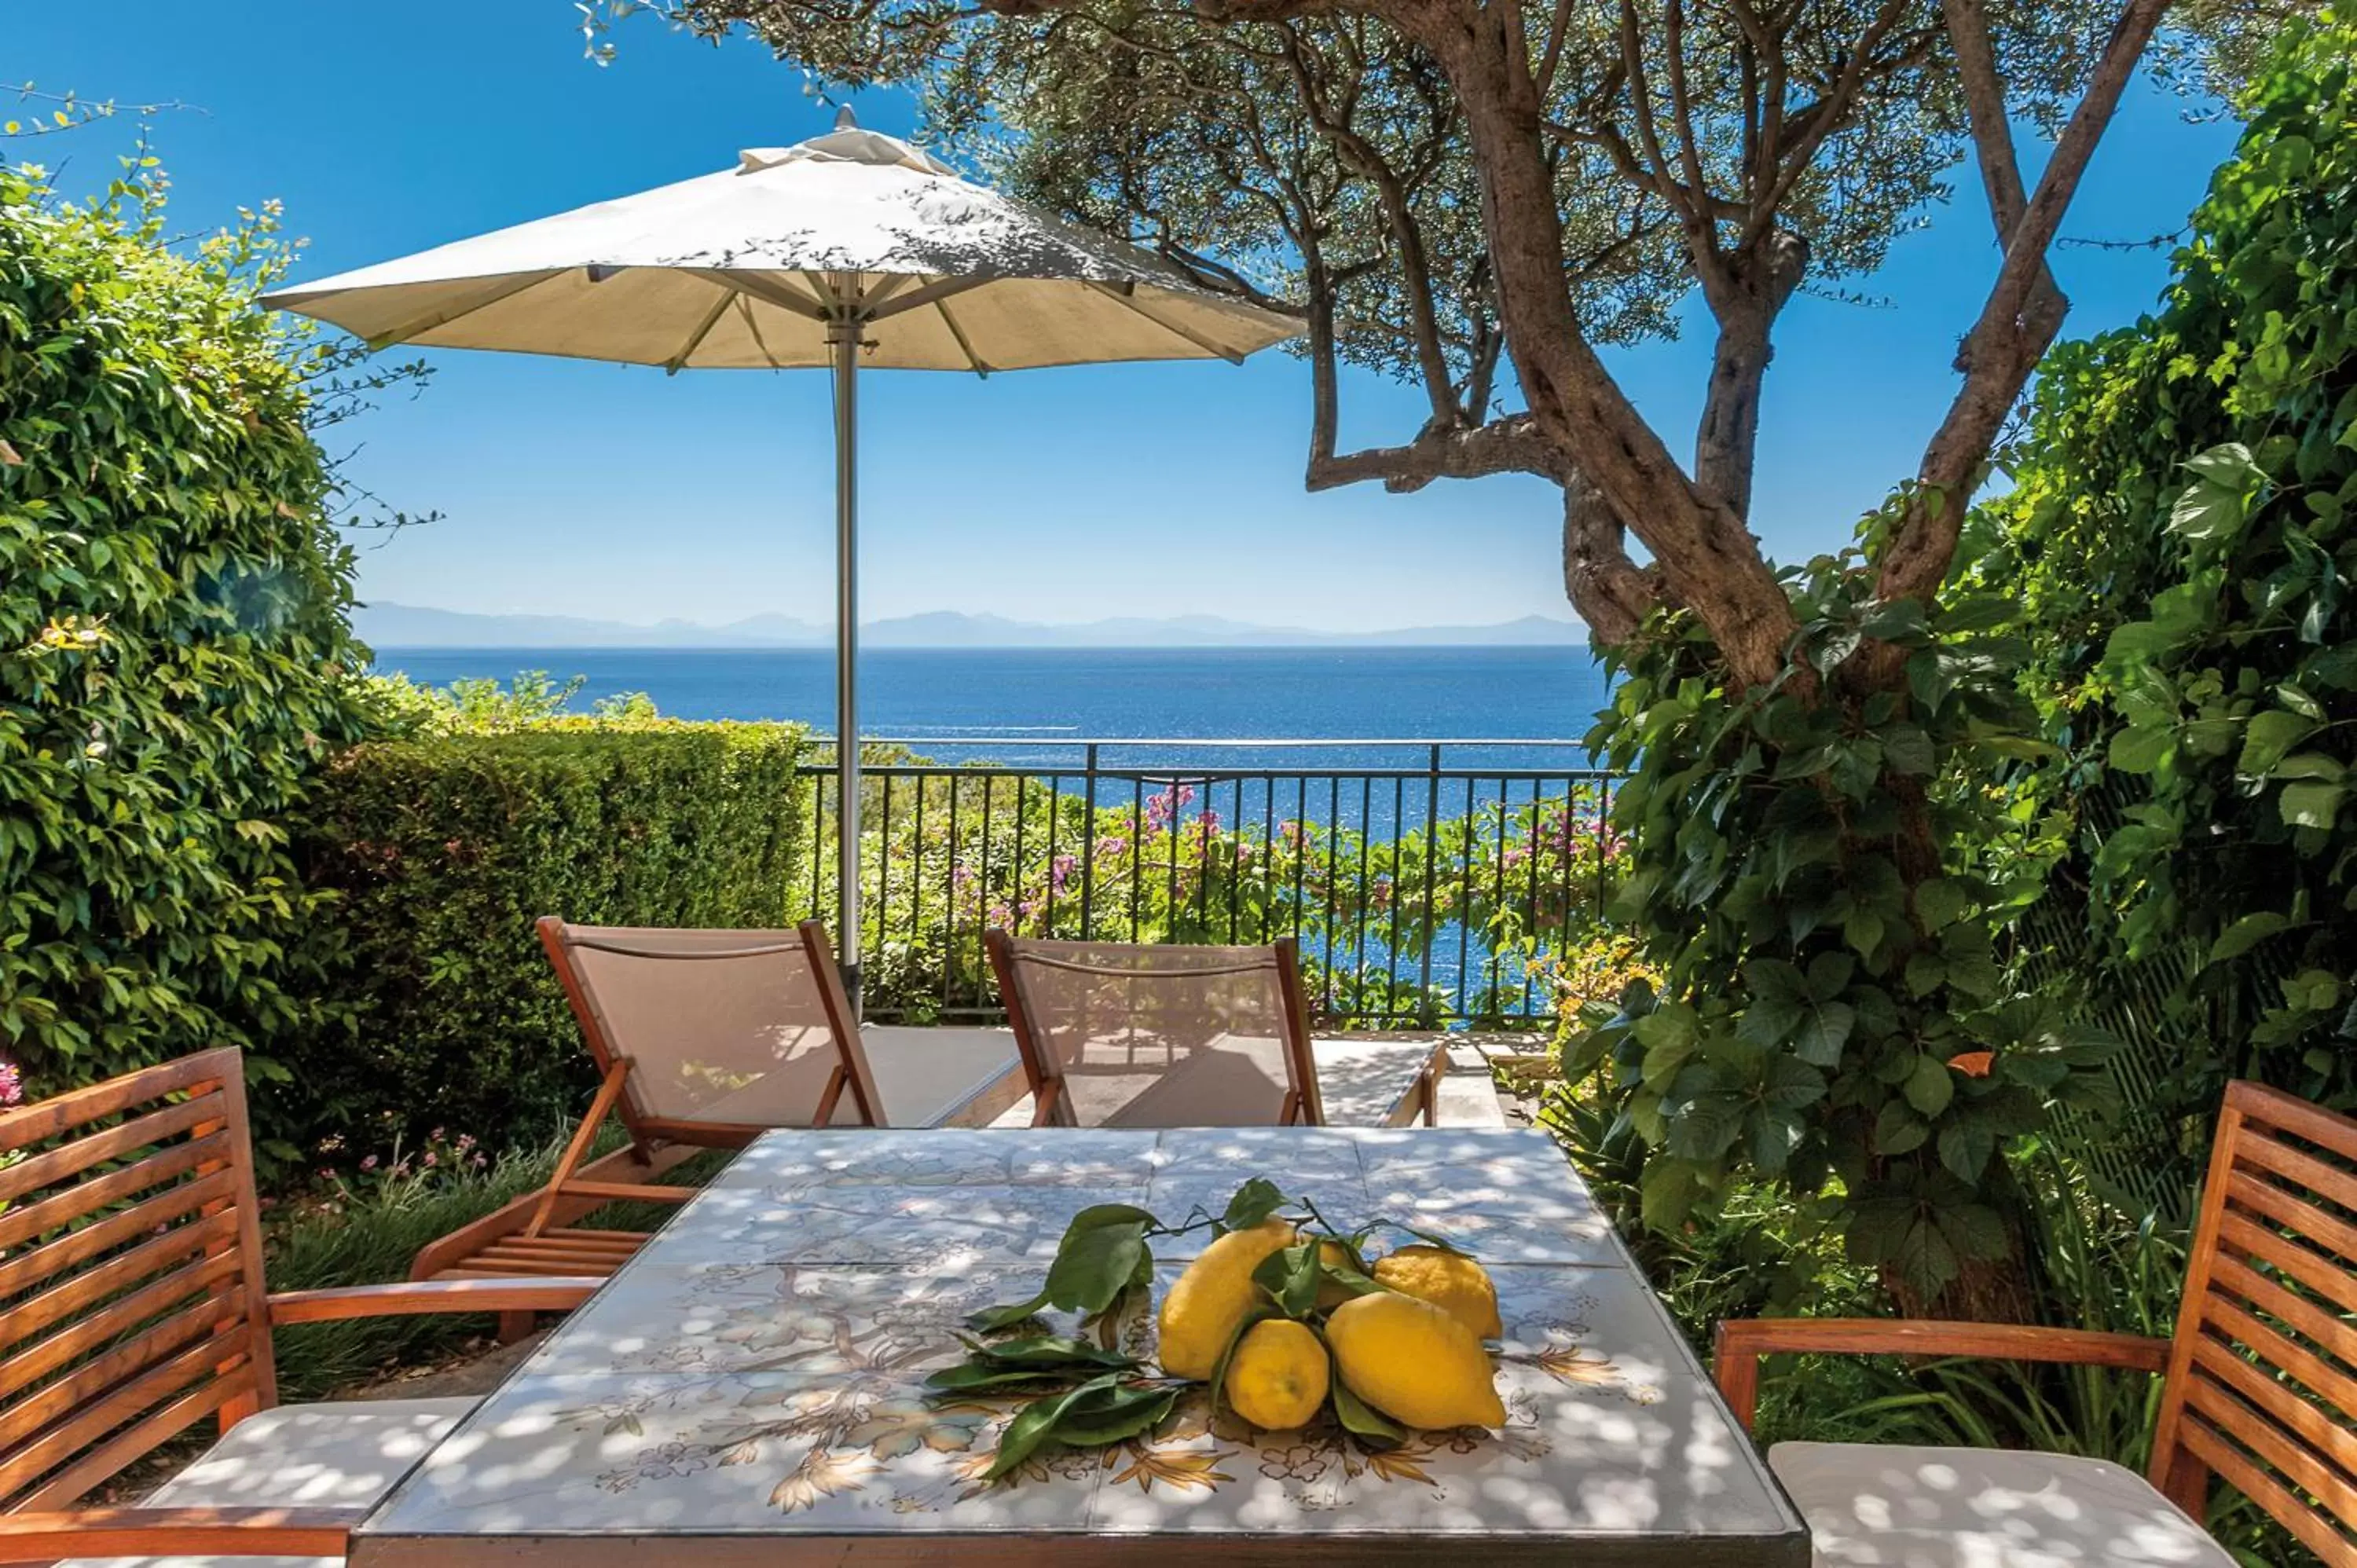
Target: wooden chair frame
x=1302, y=1105
x=111, y=1375
x=2218, y=1405
x=532, y=1233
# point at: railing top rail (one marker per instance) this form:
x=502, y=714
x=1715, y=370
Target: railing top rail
x=1201, y=742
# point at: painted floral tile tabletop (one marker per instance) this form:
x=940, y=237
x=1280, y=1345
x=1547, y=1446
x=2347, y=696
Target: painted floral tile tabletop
x=751, y=1387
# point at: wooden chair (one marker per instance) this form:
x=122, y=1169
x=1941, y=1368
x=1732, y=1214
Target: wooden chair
x=1116, y=1034
x=703, y=1039
x=133, y=1307
x=2260, y=1384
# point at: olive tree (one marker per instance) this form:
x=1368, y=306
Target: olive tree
x=1478, y=195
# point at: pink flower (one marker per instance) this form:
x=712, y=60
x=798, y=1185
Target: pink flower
x=12, y=1084
x=369, y=1164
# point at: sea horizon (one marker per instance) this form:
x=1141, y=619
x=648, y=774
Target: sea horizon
x=1531, y=703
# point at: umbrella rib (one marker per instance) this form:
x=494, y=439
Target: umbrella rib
x=753, y=325
x=942, y=306
x=1125, y=296
x=678, y=361
x=941, y=289
x=768, y=290
x=507, y=288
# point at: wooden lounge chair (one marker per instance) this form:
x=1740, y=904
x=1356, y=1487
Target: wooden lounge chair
x=134, y=1308
x=703, y=1039
x=1116, y=1034
x=2259, y=1384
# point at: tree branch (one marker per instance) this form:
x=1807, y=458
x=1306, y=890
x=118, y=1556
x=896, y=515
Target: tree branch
x=1612, y=594
x=2017, y=326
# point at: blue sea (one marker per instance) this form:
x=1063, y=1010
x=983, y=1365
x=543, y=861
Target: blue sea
x=1022, y=705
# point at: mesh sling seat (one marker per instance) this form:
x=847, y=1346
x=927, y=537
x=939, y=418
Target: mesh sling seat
x=2259, y=1382
x=1119, y=1035
x=133, y=1309
x=702, y=1039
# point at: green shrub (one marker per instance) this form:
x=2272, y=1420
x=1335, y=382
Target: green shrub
x=173, y=646
x=445, y=849
x=2182, y=534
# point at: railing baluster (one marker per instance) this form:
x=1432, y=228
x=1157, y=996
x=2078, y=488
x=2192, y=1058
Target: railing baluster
x=989, y=865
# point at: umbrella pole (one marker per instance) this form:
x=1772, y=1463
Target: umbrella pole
x=842, y=337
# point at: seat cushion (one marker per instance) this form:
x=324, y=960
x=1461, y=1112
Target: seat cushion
x=1871, y=1506
x=347, y=1455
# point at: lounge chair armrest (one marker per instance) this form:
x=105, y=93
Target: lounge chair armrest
x=415, y=1297
x=1737, y=1344
x=204, y=1531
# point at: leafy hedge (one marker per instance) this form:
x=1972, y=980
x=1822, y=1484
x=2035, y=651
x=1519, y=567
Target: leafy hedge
x=446, y=848
x=2183, y=534
x=173, y=647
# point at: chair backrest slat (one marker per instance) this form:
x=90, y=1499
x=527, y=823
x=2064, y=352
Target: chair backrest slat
x=2263, y=1371
x=726, y=1031
x=130, y=1288
x=1159, y=1036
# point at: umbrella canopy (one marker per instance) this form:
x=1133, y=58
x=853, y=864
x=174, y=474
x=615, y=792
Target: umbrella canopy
x=847, y=250
x=746, y=268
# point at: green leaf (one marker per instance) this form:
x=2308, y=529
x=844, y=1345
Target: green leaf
x=1895, y=1130
x=1941, y=902
x=1929, y=1085
x=967, y=1375
x=2140, y=748
x=1363, y=1421
x=2271, y=737
x=1033, y=1423
x=1252, y=1204
x=1114, y=1416
x=1823, y=1031
x=2310, y=804
x=1048, y=1350
x=1965, y=1148
x=1103, y=1252
x=1007, y=1315
x=1290, y=1276
x=2245, y=934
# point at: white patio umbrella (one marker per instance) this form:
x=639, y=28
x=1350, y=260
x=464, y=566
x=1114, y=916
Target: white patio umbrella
x=850, y=246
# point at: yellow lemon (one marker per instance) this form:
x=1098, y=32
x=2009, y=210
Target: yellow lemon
x=1448, y=1280
x=1412, y=1361
x=1276, y=1379
x=1201, y=1313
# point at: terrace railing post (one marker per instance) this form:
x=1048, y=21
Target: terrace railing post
x=1431, y=872
x=1088, y=840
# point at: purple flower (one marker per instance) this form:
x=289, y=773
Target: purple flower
x=1060, y=871
x=1112, y=843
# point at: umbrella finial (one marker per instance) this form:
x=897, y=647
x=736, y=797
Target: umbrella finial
x=844, y=120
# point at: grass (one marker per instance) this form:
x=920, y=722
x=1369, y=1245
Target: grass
x=367, y=1234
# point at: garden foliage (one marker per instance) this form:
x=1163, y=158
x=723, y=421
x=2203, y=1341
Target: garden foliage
x=2183, y=533
x=443, y=849
x=174, y=655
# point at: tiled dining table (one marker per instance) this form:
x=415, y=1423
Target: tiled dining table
x=750, y=1387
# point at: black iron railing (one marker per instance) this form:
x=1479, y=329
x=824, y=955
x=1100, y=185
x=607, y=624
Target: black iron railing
x=1426, y=885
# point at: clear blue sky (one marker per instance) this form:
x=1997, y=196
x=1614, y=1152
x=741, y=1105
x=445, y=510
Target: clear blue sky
x=1058, y=495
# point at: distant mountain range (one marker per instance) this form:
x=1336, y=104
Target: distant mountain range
x=389, y=625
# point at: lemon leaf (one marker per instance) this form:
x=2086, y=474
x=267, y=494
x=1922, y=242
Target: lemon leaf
x=1361, y=1421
